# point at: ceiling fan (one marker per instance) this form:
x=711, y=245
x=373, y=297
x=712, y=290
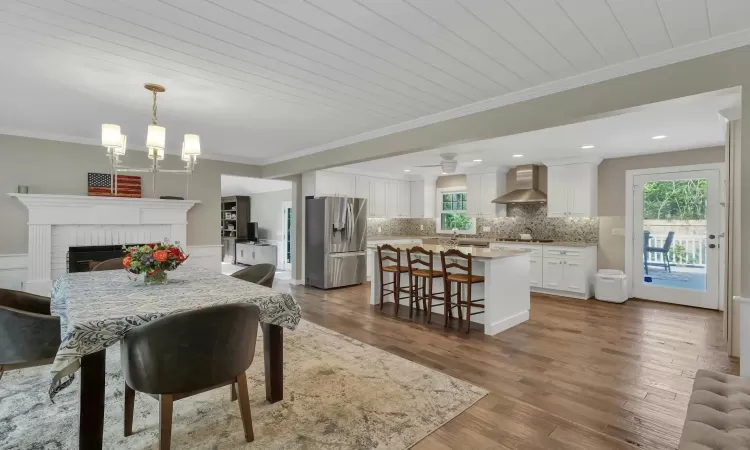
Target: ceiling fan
x=448, y=163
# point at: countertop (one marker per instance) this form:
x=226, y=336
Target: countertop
x=379, y=238
x=476, y=252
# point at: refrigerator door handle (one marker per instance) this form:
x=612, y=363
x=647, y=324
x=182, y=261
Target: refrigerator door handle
x=349, y=222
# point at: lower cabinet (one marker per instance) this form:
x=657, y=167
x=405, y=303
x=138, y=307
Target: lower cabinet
x=256, y=254
x=563, y=271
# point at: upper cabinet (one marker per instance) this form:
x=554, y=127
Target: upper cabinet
x=572, y=189
x=377, y=198
x=404, y=199
x=481, y=189
x=323, y=183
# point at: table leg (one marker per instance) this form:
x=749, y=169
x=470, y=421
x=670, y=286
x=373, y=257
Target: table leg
x=273, y=352
x=91, y=413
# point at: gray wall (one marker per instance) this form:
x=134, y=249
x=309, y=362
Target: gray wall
x=265, y=208
x=52, y=167
x=612, y=194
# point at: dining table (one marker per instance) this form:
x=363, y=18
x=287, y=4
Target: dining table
x=97, y=309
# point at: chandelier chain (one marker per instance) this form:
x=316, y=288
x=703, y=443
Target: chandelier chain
x=153, y=120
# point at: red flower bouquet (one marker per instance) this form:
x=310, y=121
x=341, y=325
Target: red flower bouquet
x=153, y=260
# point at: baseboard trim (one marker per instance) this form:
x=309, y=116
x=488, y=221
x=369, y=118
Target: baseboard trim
x=297, y=282
x=507, y=323
x=565, y=294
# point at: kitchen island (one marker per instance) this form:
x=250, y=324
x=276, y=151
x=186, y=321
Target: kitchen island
x=506, y=290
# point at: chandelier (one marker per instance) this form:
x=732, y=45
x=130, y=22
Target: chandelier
x=115, y=142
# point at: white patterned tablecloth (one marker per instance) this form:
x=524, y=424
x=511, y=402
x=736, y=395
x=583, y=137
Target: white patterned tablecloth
x=97, y=309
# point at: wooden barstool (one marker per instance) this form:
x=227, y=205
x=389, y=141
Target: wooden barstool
x=396, y=269
x=417, y=256
x=460, y=279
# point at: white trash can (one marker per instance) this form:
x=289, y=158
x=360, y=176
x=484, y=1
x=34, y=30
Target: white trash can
x=611, y=286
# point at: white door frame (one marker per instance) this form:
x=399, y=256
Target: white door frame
x=630, y=237
x=284, y=207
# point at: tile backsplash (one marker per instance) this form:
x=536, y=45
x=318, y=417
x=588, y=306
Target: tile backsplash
x=520, y=217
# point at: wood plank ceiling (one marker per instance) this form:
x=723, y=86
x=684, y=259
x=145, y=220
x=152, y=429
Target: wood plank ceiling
x=283, y=75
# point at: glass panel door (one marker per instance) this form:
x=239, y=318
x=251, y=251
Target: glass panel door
x=676, y=246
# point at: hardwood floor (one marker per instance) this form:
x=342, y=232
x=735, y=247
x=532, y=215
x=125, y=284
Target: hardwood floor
x=577, y=375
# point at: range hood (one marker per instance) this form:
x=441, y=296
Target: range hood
x=527, y=187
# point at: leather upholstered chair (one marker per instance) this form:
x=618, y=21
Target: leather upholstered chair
x=189, y=353
x=262, y=274
x=29, y=335
x=110, y=264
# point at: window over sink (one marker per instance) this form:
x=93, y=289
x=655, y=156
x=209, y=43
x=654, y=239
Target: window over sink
x=452, y=207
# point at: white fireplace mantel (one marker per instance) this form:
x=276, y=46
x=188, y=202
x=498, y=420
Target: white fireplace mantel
x=57, y=222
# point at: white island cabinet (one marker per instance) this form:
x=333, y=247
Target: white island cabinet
x=506, y=290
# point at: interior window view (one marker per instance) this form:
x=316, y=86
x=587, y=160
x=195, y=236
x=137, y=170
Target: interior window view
x=360, y=224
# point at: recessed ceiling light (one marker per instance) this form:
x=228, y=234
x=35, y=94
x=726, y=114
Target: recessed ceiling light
x=661, y=136
x=587, y=146
x=477, y=160
x=407, y=170
x=518, y=156
x=445, y=173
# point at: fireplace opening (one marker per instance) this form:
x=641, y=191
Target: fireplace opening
x=84, y=259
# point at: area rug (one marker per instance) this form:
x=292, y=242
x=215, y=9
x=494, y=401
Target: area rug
x=339, y=393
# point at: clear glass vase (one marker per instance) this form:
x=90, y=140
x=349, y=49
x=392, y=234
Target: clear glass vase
x=157, y=277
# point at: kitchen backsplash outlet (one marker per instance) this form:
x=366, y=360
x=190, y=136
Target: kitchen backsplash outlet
x=520, y=218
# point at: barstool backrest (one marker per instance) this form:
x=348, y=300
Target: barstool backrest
x=381, y=257
x=456, y=255
x=414, y=256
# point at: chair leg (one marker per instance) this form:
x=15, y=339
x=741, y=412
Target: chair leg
x=129, y=404
x=233, y=392
x=429, y=301
x=424, y=294
x=468, y=307
x=244, y=401
x=447, y=303
x=396, y=289
x=413, y=289
x=165, y=421
x=459, y=291
x=669, y=265
x=382, y=288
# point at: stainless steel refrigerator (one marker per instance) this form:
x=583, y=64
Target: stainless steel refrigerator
x=335, y=241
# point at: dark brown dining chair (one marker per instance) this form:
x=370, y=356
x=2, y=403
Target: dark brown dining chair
x=262, y=274
x=421, y=268
x=396, y=269
x=188, y=353
x=467, y=278
x=29, y=335
x=110, y=264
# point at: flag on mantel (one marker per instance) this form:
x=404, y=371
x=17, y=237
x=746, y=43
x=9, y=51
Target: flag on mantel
x=100, y=185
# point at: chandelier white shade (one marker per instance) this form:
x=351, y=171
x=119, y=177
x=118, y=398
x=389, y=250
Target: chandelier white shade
x=111, y=135
x=122, y=148
x=192, y=145
x=156, y=136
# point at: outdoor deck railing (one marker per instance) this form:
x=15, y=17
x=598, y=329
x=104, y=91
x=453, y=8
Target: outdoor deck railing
x=685, y=250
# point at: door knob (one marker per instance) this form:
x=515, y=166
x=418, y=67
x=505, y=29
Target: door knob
x=711, y=245
x=712, y=236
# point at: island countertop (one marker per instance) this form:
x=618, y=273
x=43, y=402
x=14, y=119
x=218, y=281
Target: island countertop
x=478, y=240
x=476, y=252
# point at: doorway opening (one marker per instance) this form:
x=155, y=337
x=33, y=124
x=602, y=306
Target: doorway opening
x=261, y=232
x=676, y=230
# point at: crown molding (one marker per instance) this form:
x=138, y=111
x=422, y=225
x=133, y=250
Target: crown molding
x=730, y=114
x=576, y=160
x=667, y=57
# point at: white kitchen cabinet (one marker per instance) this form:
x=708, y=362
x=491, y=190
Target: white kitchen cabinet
x=481, y=189
x=572, y=190
x=553, y=273
x=559, y=270
x=474, y=195
x=362, y=187
x=377, y=199
x=325, y=183
x=416, y=203
x=404, y=199
x=391, y=199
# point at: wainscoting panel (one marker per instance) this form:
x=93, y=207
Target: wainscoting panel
x=13, y=271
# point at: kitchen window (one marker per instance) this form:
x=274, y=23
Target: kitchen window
x=452, y=207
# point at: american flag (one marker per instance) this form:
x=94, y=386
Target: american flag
x=127, y=185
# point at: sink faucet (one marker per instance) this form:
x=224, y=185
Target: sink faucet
x=529, y=230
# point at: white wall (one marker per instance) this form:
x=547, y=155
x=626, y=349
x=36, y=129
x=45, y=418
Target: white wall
x=266, y=209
